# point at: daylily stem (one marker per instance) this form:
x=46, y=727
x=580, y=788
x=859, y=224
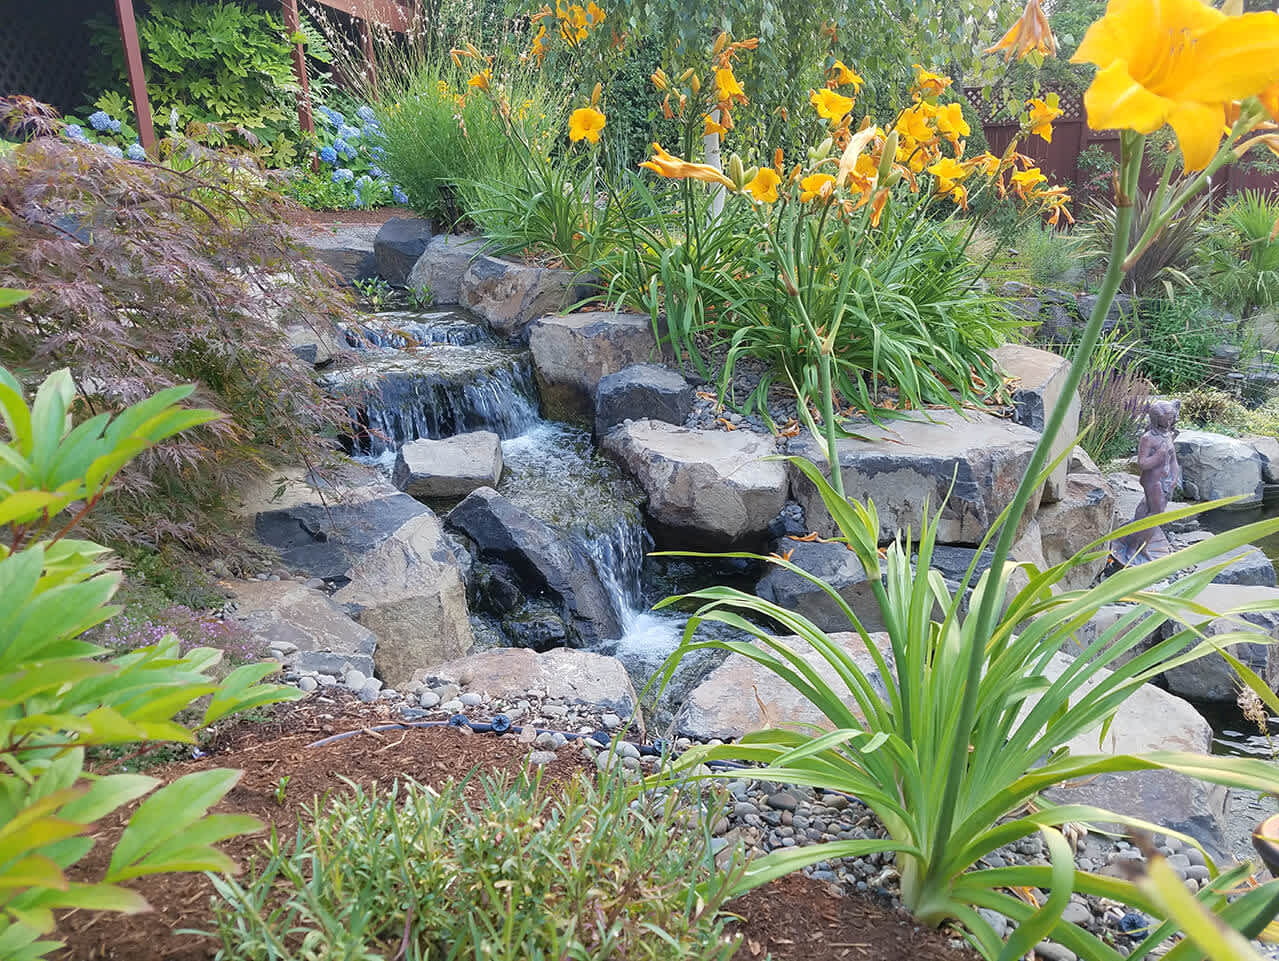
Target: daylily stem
x=993, y=595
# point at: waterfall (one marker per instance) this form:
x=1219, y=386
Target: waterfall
x=407, y=330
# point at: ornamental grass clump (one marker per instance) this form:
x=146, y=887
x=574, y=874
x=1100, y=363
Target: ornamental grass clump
x=972, y=716
x=526, y=872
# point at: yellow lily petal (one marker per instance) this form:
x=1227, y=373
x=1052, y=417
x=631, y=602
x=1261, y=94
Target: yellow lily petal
x=1236, y=59
x=1199, y=128
x=1116, y=100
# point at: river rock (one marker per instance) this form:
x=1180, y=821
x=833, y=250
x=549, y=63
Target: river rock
x=1210, y=678
x=399, y=243
x=639, y=392
x=1039, y=388
x=408, y=590
x=322, y=530
x=706, y=488
x=1268, y=449
x=740, y=695
x=509, y=295
x=442, y=264
x=572, y=352
x=307, y=622
x=915, y=463
x=838, y=567
x=448, y=468
x=572, y=676
x=1150, y=720
x=1249, y=567
x=547, y=562
x=347, y=248
x=1080, y=516
x=1213, y=466
x=315, y=346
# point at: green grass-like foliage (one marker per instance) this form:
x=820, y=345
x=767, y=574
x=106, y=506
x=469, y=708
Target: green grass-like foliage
x=60, y=695
x=894, y=751
x=1241, y=259
x=527, y=874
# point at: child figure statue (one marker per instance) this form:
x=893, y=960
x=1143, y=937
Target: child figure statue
x=1160, y=474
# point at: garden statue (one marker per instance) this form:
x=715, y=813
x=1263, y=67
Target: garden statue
x=1160, y=473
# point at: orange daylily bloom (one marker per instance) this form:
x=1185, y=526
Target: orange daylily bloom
x=1042, y=115
x=585, y=124
x=482, y=80
x=929, y=84
x=877, y=204
x=666, y=165
x=830, y=105
x=728, y=87
x=711, y=125
x=763, y=186
x=949, y=173
x=951, y=122
x=1028, y=179
x=841, y=75
x=816, y=185
x=1030, y=32
x=913, y=123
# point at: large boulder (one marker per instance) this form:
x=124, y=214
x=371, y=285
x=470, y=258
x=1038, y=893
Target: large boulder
x=576, y=677
x=1211, y=678
x=1149, y=720
x=448, y=468
x=838, y=567
x=314, y=345
x=572, y=352
x=409, y=592
x=548, y=563
x=915, y=464
x=347, y=248
x=306, y=627
x=1080, y=516
x=509, y=295
x=1268, y=448
x=1249, y=567
x=1040, y=380
x=706, y=488
x=740, y=695
x=1213, y=466
x=399, y=243
x=641, y=392
x=442, y=265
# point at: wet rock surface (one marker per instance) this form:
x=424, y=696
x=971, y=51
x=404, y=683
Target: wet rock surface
x=398, y=245
x=572, y=352
x=641, y=392
x=448, y=468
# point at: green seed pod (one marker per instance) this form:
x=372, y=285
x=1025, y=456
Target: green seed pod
x=736, y=172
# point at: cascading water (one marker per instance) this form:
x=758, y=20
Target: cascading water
x=407, y=330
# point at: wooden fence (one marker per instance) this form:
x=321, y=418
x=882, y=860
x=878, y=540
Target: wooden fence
x=1072, y=136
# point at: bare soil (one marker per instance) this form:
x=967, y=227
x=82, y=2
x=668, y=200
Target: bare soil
x=793, y=919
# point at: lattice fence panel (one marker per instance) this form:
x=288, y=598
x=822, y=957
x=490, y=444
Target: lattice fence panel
x=1072, y=107
x=44, y=49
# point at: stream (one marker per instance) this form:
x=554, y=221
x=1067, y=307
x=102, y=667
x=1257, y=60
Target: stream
x=438, y=373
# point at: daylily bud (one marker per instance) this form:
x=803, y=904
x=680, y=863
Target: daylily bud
x=595, y=94
x=736, y=172
x=720, y=42
x=821, y=151
x=660, y=80
x=888, y=157
x=695, y=84
x=750, y=174
x=687, y=75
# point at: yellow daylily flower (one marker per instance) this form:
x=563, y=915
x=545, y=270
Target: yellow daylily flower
x=585, y=124
x=913, y=123
x=1025, y=180
x=815, y=185
x=1179, y=62
x=959, y=194
x=1030, y=32
x=728, y=87
x=929, y=84
x=665, y=165
x=841, y=75
x=538, y=49
x=986, y=162
x=829, y=104
x=595, y=14
x=1042, y=115
x=951, y=122
x=711, y=125
x=948, y=172
x=763, y=186
x=482, y=80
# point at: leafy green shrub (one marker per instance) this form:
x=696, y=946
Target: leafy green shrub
x=1177, y=341
x=146, y=276
x=1049, y=256
x=61, y=695
x=1241, y=257
x=214, y=63
x=1217, y=411
x=894, y=743
x=527, y=873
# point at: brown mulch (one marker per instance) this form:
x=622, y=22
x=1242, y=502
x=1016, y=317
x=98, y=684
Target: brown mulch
x=304, y=216
x=793, y=919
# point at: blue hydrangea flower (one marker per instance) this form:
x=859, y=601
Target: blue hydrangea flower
x=113, y=150
x=377, y=152
x=347, y=132
x=398, y=195
x=377, y=172
x=366, y=114
x=346, y=150
x=329, y=156
x=135, y=152
x=115, y=125
x=332, y=116
x=73, y=131
x=343, y=175
x=100, y=121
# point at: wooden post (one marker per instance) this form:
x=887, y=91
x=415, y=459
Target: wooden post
x=137, y=76
x=291, y=23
